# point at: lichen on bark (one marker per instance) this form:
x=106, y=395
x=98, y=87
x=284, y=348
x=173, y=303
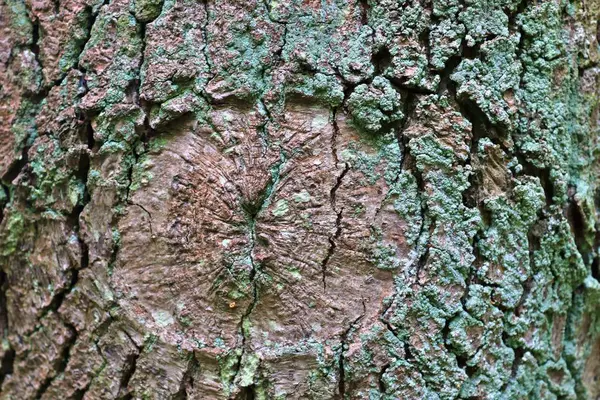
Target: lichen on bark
x=220, y=199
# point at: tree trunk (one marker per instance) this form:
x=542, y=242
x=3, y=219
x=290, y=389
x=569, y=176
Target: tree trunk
x=246, y=199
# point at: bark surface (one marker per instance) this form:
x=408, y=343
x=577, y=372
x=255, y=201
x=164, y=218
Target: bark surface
x=248, y=199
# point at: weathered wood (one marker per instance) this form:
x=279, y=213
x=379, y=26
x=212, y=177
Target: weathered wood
x=229, y=199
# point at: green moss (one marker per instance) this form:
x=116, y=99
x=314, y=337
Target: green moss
x=249, y=365
x=281, y=208
x=141, y=175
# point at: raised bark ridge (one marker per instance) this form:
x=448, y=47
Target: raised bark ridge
x=246, y=199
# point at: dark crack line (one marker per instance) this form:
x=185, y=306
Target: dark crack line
x=338, y=225
x=61, y=363
x=204, y=30
x=149, y=216
x=58, y=298
x=80, y=393
x=343, y=345
x=188, y=378
x=263, y=134
x=334, y=136
x=7, y=364
x=131, y=363
x=252, y=212
x=130, y=367
x=426, y=228
x=380, y=380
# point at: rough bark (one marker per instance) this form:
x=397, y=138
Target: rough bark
x=247, y=199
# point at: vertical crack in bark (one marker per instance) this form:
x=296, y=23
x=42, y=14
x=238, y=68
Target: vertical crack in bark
x=131, y=365
x=188, y=378
x=380, y=381
x=149, y=217
x=35, y=45
x=387, y=323
x=56, y=302
x=534, y=245
x=334, y=136
x=364, y=11
x=6, y=364
x=252, y=212
x=18, y=165
x=4, y=323
x=338, y=225
x=426, y=231
x=343, y=344
x=73, y=219
x=577, y=223
x=99, y=333
x=130, y=368
x=61, y=363
x=247, y=393
x=262, y=128
x=80, y=393
x=6, y=194
x=204, y=29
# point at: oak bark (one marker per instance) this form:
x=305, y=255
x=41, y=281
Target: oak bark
x=338, y=199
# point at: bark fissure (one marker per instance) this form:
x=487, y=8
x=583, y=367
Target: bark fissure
x=457, y=62
x=252, y=213
x=380, y=380
x=61, y=363
x=343, y=346
x=205, y=52
x=338, y=225
x=7, y=364
x=130, y=367
x=334, y=136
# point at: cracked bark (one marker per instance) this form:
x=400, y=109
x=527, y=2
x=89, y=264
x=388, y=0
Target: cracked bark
x=198, y=198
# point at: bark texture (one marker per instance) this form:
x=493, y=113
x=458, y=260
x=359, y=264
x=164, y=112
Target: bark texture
x=336, y=199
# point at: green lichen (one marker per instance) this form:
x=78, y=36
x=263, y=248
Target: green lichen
x=375, y=156
x=281, y=208
x=375, y=106
x=445, y=40
x=12, y=232
x=147, y=10
x=487, y=81
x=18, y=18
x=324, y=88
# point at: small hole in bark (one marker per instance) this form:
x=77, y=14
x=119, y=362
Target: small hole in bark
x=247, y=393
x=596, y=269
x=6, y=368
x=364, y=11
x=381, y=60
x=407, y=354
x=577, y=222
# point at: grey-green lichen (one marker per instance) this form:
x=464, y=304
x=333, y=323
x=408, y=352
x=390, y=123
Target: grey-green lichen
x=375, y=106
x=494, y=176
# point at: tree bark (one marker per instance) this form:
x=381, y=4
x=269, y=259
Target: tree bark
x=246, y=199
